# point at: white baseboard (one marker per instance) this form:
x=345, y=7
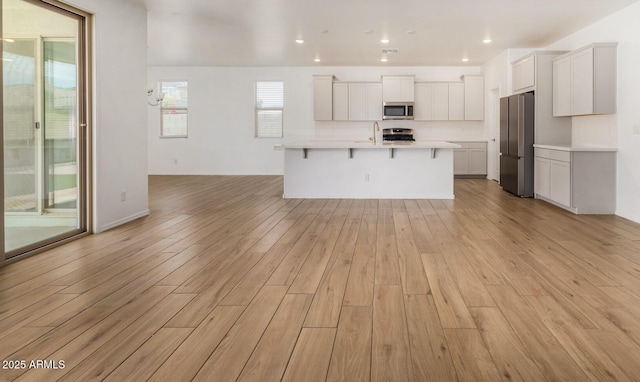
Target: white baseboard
x=122, y=221
x=633, y=218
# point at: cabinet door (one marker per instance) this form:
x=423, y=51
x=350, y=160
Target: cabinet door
x=323, y=98
x=560, y=182
x=423, y=105
x=456, y=101
x=542, y=176
x=374, y=102
x=365, y=102
x=407, y=89
x=340, y=102
x=478, y=161
x=523, y=74
x=516, y=76
x=440, y=101
x=562, y=87
x=461, y=161
x=473, y=98
x=357, y=102
x=582, y=82
x=398, y=89
x=529, y=72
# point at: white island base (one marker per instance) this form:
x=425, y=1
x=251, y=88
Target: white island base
x=422, y=170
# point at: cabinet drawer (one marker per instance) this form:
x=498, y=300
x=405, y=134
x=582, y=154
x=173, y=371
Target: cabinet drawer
x=564, y=156
x=472, y=145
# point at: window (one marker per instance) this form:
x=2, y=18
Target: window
x=173, y=109
x=269, y=104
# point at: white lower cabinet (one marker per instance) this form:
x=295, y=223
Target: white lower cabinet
x=542, y=178
x=578, y=181
x=470, y=160
x=560, y=181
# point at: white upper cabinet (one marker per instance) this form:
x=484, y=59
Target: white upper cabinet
x=340, y=101
x=322, y=98
x=365, y=101
x=440, y=102
x=422, y=109
x=398, y=88
x=523, y=74
x=562, y=87
x=473, y=98
x=584, y=81
x=446, y=101
x=431, y=101
x=456, y=101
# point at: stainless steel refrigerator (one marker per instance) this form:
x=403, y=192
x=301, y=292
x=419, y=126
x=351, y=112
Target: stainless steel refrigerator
x=516, y=144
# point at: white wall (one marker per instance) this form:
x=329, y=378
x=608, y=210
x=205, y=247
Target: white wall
x=120, y=119
x=609, y=130
x=221, y=117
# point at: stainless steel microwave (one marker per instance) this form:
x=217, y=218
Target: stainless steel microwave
x=397, y=110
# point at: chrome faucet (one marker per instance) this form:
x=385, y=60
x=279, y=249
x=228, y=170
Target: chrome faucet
x=376, y=127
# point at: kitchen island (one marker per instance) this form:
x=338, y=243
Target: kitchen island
x=364, y=170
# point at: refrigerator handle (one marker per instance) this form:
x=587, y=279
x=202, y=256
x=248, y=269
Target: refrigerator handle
x=521, y=124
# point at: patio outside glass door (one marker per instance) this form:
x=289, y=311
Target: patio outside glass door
x=43, y=136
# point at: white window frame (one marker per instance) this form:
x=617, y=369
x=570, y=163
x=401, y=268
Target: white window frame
x=258, y=109
x=181, y=110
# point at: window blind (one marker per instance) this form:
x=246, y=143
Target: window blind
x=269, y=107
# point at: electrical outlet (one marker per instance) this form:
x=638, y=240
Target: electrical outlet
x=123, y=196
x=366, y=177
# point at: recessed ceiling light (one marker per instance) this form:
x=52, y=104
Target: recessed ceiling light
x=384, y=41
x=299, y=41
x=465, y=59
x=487, y=41
x=316, y=59
x=383, y=59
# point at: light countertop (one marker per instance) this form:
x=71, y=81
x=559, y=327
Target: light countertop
x=574, y=148
x=346, y=144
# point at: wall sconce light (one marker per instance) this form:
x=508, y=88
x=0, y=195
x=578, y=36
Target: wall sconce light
x=158, y=98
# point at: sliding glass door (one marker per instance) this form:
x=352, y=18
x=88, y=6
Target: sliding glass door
x=44, y=125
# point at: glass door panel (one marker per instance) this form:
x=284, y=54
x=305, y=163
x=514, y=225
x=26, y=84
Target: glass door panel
x=43, y=155
x=59, y=125
x=20, y=134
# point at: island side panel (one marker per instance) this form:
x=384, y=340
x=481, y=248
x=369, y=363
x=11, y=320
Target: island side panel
x=369, y=174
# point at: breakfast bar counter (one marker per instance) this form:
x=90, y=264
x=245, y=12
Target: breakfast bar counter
x=364, y=170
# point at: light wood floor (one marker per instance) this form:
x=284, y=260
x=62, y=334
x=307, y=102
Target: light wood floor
x=227, y=281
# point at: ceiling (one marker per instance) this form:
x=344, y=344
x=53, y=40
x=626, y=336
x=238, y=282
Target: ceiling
x=348, y=32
